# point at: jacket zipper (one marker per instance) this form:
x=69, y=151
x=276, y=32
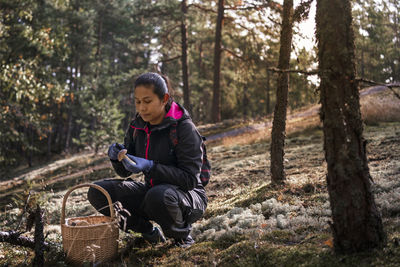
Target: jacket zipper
x=147, y=150
x=146, y=129
x=148, y=142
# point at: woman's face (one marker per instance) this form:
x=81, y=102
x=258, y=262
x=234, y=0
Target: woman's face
x=150, y=107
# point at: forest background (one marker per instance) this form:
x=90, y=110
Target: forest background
x=67, y=67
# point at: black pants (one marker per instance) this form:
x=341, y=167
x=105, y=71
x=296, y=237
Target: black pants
x=173, y=209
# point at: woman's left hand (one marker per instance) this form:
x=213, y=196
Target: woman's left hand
x=142, y=164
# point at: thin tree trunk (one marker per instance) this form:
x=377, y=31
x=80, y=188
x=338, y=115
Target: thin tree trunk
x=184, y=58
x=268, y=89
x=357, y=224
x=216, y=107
x=279, y=123
x=245, y=101
x=69, y=127
x=69, y=107
x=201, y=64
x=49, y=143
x=98, y=49
x=39, y=238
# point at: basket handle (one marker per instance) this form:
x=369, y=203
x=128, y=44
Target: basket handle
x=101, y=189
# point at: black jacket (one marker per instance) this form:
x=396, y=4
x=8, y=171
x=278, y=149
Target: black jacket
x=178, y=165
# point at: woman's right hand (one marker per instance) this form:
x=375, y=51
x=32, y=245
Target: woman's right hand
x=113, y=151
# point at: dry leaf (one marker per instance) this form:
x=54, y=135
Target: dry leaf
x=329, y=242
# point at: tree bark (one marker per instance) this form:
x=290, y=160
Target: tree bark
x=216, y=107
x=245, y=101
x=39, y=238
x=279, y=123
x=49, y=133
x=98, y=55
x=15, y=238
x=357, y=224
x=268, y=88
x=184, y=58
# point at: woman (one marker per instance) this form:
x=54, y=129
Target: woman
x=172, y=194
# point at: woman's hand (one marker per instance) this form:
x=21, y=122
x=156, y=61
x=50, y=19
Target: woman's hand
x=142, y=164
x=113, y=151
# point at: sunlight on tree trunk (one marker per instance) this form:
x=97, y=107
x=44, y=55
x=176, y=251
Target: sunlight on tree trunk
x=184, y=58
x=357, y=224
x=216, y=107
x=278, y=127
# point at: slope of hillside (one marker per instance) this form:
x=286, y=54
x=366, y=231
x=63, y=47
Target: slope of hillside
x=248, y=221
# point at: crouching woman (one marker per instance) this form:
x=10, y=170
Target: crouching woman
x=172, y=194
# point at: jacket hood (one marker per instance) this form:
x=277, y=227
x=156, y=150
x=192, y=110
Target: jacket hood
x=174, y=114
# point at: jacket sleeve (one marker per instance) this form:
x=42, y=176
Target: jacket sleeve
x=128, y=144
x=186, y=174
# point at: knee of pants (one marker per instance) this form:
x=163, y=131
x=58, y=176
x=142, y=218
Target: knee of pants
x=162, y=205
x=98, y=200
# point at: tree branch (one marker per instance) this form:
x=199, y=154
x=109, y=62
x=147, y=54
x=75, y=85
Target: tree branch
x=388, y=85
x=202, y=8
x=312, y=72
x=169, y=59
x=271, y=4
x=233, y=53
x=23, y=212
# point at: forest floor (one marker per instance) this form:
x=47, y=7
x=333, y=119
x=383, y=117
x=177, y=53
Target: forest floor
x=248, y=222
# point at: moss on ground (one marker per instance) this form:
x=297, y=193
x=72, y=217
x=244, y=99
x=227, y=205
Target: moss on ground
x=242, y=187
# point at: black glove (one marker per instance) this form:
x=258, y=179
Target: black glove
x=113, y=151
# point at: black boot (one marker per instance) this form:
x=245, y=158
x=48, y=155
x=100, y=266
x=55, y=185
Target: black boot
x=184, y=242
x=154, y=237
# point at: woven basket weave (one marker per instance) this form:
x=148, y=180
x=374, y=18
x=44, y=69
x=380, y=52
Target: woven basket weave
x=89, y=239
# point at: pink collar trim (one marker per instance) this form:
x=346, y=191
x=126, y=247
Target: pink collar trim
x=174, y=112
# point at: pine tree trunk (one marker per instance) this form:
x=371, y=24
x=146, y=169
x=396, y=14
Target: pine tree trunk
x=49, y=143
x=245, y=101
x=268, y=89
x=216, y=107
x=279, y=123
x=184, y=58
x=357, y=224
x=69, y=129
x=98, y=55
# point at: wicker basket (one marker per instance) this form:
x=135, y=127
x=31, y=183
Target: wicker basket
x=89, y=239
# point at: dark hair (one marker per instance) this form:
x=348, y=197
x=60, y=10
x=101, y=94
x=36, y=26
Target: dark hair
x=159, y=83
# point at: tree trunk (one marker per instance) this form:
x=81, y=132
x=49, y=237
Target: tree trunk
x=216, y=107
x=49, y=142
x=245, y=101
x=268, y=89
x=69, y=128
x=39, y=238
x=357, y=224
x=279, y=123
x=184, y=58
x=98, y=55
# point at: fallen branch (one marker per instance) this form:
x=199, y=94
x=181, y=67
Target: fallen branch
x=15, y=238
